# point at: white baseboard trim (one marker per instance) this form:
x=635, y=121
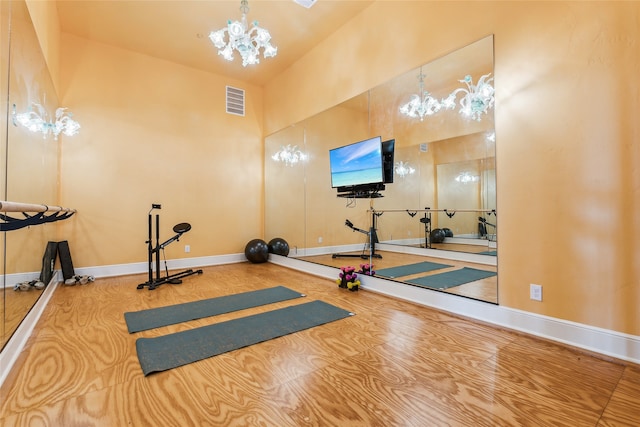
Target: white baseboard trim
x=174, y=264
x=434, y=253
x=10, y=280
x=442, y=254
x=324, y=250
x=602, y=341
x=470, y=239
x=133, y=268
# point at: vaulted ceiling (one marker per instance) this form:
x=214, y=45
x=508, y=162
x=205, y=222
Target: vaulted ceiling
x=177, y=30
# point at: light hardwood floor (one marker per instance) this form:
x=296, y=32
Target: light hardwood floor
x=392, y=364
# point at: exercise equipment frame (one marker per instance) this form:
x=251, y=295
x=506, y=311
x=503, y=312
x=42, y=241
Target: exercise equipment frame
x=372, y=238
x=175, y=278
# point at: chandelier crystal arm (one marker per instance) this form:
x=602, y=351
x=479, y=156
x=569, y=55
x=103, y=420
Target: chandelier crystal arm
x=450, y=101
x=247, y=42
x=477, y=99
x=244, y=7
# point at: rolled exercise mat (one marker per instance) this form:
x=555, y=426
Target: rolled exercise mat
x=170, y=315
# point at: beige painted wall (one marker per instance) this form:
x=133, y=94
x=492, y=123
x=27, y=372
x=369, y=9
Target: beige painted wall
x=567, y=153
x=568, y=160
x=44, y=15
x=156, y=132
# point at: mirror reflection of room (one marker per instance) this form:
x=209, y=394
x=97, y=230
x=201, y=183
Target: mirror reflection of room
x=30, y=157
x=440, y=202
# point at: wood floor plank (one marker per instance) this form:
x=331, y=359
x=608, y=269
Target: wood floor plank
x=624, y=407
x=393, y=363
x=557, y=385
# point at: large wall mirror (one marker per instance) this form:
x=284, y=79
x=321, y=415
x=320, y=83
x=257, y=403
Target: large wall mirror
x=442, y=202
x=30, y=162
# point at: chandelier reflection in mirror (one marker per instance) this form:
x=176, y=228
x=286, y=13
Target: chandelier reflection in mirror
x=37, y=121
x=403, y=169
x=290, y=155
x=466, y=178
x=247, y=42
x=477, y=99
x=422, y=104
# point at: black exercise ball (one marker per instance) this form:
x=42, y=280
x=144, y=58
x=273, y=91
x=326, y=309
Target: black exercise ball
x=437, y=235
x=257, y=251
x=447, y=232
x=278, y=246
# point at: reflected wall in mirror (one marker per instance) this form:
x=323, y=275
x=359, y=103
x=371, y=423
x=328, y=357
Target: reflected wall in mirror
x=31, y=162
x=5, y=19
x=444, y=179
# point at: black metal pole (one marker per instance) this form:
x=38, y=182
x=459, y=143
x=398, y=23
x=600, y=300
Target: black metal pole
x=157, y=247
x=150, y=249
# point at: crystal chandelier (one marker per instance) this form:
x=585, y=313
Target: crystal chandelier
x=403, y=169
x=290, y=155
x=422, y=104
x=477, y=100
x=247, y=42
x=37, y=121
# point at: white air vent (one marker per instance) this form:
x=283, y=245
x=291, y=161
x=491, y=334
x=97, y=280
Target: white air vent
x=235, y=101
x=306, y=3
x=424, y=147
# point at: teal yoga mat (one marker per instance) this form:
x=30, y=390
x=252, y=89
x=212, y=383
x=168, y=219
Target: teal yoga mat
x=181, y=348
x=493, y=253
x=170, y=315
x=451, y=278
x=407, y=270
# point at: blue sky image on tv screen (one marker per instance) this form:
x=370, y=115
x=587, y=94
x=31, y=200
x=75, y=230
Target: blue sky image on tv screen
x=355, y=164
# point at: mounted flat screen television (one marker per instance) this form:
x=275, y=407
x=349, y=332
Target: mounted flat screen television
x=388, y=148
x=356, y=164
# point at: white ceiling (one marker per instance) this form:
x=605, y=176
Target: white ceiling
x=177, y=30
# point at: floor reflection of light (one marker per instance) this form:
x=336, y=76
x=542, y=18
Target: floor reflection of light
x=404, y=325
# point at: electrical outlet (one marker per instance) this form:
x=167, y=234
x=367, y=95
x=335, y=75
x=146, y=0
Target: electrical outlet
x=535, y=292
x=187, y=248
x=319, y=239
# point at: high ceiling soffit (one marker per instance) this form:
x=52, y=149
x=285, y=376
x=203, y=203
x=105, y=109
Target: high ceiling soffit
x=178, y=31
